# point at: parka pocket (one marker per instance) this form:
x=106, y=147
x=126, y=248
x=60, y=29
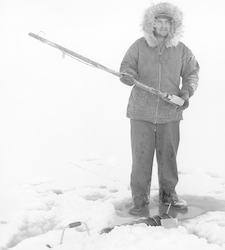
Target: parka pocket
x=141, y=97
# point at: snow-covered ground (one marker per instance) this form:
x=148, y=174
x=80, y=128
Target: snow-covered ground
x=34, y=212
x=56, y=112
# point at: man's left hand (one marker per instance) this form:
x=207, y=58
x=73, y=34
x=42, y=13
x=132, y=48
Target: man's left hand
x=184, y=94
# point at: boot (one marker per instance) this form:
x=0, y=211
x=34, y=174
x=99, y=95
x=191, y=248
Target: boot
x=139, y=203
x=178, y=203
x=172, y=199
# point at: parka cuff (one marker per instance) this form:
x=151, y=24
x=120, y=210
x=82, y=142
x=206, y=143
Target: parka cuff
x=131, y=73
x=191, y=87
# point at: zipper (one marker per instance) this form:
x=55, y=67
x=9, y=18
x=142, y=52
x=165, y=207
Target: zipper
x=159, y=82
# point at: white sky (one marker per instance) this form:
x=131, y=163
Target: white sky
x=54, y=110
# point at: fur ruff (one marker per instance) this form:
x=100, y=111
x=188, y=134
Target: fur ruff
x=176, y=28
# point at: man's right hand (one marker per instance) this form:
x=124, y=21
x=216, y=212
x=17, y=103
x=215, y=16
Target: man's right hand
x=127, y=78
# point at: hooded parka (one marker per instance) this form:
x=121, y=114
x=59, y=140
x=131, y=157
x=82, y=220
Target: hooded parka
x=170, y=69
x=154, y=122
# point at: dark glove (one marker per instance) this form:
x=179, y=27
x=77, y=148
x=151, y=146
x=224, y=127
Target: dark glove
x=127, y=78
x=184, y=94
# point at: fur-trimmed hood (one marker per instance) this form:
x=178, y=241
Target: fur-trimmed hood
x=149, y=20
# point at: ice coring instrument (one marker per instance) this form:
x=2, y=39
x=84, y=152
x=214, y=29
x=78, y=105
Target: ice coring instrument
x=165, y=220
x=173, y=99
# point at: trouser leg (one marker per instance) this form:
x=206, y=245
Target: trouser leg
x=143, y=147
x=167, y=142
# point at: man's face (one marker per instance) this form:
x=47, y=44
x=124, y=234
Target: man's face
x=162, y=26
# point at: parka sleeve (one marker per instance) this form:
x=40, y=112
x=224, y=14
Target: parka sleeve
x=189, y=72
x=129, y=63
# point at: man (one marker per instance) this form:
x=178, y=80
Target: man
x=159, y=60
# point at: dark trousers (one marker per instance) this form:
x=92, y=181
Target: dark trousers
x=146, y=139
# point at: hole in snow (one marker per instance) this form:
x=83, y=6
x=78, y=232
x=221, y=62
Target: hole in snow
x=94, y=196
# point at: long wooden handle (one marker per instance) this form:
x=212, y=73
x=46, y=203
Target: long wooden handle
x=165, y=96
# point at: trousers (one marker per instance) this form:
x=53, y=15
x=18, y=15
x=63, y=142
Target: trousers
x=146, y=140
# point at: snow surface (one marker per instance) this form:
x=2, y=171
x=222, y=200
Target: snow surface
x=34, y=212
x=53, y=110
